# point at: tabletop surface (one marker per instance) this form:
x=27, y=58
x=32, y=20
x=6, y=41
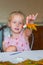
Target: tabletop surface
x=16, y=57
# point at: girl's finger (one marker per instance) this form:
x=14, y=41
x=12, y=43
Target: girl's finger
x=32, y=17
x=36, y=15
x=28, y=19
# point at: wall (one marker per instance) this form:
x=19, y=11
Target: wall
x=27, y=6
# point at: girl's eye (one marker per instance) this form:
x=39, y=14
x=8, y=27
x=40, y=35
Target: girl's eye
x=20, y=23
x=14, y=22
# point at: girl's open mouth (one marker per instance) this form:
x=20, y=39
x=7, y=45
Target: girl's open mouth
x=16, y=28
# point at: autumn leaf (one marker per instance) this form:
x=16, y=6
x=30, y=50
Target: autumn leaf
x=32, y=26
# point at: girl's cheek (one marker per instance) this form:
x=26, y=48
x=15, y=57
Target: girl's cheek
x=22, y=26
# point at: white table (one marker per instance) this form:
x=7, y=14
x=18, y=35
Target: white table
x=16, y=57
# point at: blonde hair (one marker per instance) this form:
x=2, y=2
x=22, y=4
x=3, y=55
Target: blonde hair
x=16, y=13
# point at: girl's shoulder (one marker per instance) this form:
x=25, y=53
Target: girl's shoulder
x=7, y=39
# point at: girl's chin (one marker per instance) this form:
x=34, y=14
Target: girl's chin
x=17, y=32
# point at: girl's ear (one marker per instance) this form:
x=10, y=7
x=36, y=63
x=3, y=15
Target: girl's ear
x=8, y=24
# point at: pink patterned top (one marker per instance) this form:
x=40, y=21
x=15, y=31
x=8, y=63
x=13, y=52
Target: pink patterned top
x=20, y=43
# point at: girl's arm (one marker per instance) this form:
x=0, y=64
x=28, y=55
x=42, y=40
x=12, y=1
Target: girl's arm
x=3, y=46
x=28, y=32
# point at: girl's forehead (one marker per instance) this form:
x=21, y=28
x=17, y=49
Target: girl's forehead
x=17, y=17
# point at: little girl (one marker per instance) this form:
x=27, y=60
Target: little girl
x=18, y=41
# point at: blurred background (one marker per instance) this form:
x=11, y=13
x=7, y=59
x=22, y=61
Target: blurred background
x=26, y=6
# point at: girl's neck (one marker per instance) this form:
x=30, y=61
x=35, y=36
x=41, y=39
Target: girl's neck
x=15, y=35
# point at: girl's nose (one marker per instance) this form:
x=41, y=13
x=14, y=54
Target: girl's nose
x=17, y=24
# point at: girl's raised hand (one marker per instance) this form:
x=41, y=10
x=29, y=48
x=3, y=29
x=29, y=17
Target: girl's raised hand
x=31, y=18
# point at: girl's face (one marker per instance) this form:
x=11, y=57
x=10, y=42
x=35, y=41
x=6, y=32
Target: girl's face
x=16, y=23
